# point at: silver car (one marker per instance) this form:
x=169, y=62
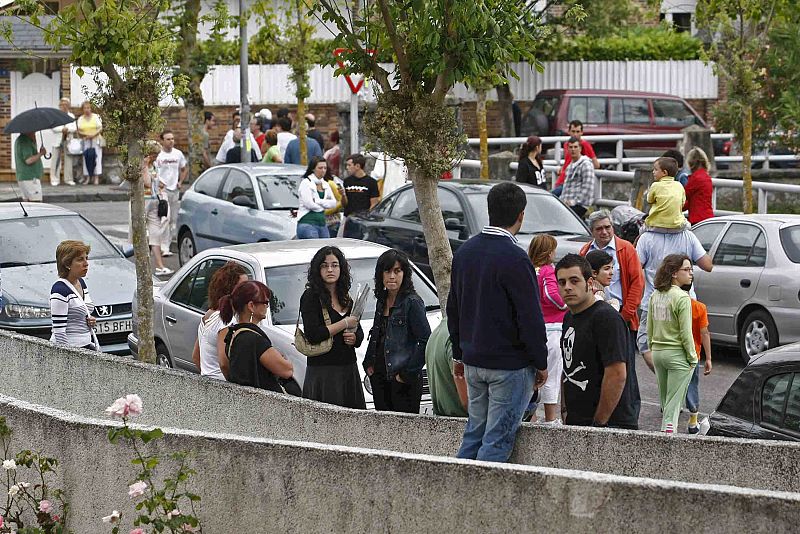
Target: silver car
x=238, y=203
x=753, y=293
x=29, y=235
x=180, y=303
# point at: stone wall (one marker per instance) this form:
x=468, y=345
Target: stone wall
x=85, y=383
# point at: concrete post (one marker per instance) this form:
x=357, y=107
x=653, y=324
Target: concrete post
x=697, y=136
x=499, y=165
x=641, y=182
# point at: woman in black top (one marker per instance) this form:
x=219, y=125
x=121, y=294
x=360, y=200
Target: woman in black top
x=531, y=169
x=331, y=377
x=253, y=361
x=400, y=331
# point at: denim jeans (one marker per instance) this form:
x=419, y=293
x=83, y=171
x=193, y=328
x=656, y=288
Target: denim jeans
x=693, y=394
x=497, y=401
x=312, y=231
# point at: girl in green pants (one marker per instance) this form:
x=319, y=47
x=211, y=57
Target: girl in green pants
x=669, y=331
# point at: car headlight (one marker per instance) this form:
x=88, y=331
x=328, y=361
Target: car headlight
x=367, y=384
x=19, y=311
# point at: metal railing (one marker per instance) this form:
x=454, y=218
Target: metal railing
x=619, y=158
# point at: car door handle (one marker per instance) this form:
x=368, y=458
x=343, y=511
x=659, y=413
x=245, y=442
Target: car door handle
x=214, y=211
x=171, y=320
x=744, y=282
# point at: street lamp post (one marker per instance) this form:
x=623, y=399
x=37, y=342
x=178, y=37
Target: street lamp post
x=243, y=84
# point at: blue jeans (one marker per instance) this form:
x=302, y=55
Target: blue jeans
x=693, y=394
x=497, y=400
x=557, y=190
x=312, y=231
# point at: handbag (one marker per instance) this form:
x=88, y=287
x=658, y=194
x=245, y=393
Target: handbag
x=289, y=386
x=74, y=147
x=163, y=207
x=302, y=343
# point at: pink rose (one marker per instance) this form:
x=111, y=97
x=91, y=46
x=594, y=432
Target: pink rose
x=125, y=406
x=45, y=507
x=137, y=489
x=2, y=521
x=174, y=513
x=137, y=531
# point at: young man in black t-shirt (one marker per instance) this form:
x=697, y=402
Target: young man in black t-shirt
x=596, y=351
x=361, y=190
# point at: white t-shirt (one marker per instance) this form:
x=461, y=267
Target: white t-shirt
x=228, y=143
x=284, y=138
x=207, y=332
x=169, y=165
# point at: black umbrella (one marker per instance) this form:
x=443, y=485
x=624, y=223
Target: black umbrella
x=37, y=119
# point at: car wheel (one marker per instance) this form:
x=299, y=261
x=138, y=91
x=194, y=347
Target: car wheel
x=162, y=356
x=186, y=247
x=758, y=333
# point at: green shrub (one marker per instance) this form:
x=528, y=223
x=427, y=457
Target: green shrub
x=641, y=43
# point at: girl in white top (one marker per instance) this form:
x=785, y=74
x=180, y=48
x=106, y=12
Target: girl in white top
x=211, y=330
x=315, y=197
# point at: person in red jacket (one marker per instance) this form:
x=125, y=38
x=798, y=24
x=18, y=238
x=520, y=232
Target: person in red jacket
x=699, y=188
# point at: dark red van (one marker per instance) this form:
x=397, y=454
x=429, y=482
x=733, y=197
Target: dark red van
x=610, y=112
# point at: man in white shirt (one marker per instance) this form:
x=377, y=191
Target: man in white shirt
x=228, y=143
x=172, y=171
x=285, y=135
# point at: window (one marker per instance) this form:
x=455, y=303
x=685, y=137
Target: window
x=451, y=207
x=199, y=296
x=543, y=214
x=707, y=234
x=383, y=209
x=758, y=257
x=773, y=399
x=792, y=419
x=587, y=109
x=682, y=22
x=209, y=183
x=629, y=111
x=790, y=240
x=288, y=282
x=737, y=245
x=279, y=192
x=405, y=207
x=672, y=113
x=184, y=289
x=238, y=183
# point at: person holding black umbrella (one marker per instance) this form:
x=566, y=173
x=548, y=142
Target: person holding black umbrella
x=30, y=169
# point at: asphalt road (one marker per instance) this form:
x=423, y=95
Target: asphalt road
x=111, y=218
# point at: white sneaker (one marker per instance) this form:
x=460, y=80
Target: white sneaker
x=167, y=253
x=163, y=271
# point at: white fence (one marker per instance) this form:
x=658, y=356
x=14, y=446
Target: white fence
x=269, y=84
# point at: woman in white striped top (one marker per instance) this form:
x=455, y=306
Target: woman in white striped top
x=71, y=306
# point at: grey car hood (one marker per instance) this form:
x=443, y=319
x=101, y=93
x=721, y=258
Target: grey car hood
x=567, y=244
x=110, y=281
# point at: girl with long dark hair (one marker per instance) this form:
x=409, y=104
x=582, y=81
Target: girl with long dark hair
x=315, y=197
x=531, y=168
x=325, y=306
x=398, y=337
x=669, y=330
x=253, y=361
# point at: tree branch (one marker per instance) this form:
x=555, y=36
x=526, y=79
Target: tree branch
x=441, y=87
x=397, y=44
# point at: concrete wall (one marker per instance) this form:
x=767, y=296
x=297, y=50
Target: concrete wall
x=261, y=485
x=85, y=383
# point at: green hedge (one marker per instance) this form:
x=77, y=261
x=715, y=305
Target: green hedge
x=654, y=44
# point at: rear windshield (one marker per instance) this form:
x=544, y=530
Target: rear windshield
x=790, y=239
x=279, y=192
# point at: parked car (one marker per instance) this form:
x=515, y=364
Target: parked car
x=29, y=235
x=771, y=147
x=283, y=266
x=605, y=112
x=238, y=203
x=753, y=293
x=764, y=401
x=395, y=221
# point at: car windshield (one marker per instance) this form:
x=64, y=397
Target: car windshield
x=279, y=192
x=33, y=240
x=543, y=214
x=790, y=239
x=288, y=282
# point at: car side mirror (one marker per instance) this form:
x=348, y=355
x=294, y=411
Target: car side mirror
x=244, y=201
x=126, y=249
x=453, y=224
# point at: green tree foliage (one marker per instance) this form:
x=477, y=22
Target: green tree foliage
x=740, y=29
x=653, y=43
x=434, y=45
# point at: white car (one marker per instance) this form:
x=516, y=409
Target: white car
x=283, y=266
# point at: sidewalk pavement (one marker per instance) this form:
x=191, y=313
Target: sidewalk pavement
x=9, y=192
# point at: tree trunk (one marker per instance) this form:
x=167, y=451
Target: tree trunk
x=193, y=101
x=747, y=152
x=483, y=133
x=194, y=118
x=144, y=273
x=504, y=102
x=440, y=255
x=301, y=130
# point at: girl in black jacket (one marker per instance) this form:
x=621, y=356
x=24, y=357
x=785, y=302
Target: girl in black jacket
x=531, y=168
x=331, y=377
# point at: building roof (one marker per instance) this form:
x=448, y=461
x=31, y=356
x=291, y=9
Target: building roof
x=27, y=39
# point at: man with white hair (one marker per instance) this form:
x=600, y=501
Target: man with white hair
x=312, y=131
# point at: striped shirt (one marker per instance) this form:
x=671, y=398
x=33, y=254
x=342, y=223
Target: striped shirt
x=495, y=230
x=69, y=314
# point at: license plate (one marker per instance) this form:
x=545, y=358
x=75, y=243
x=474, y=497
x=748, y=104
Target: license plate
x=113, y=327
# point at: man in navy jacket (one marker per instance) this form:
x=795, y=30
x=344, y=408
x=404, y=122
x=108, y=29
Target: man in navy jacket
x=496, y=327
